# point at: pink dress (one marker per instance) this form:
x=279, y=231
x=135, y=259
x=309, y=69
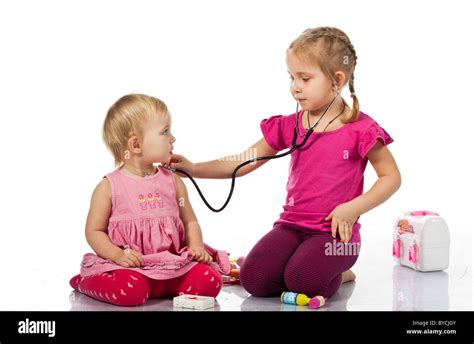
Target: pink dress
x=145, y=218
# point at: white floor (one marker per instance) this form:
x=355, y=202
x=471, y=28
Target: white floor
x=380, y=285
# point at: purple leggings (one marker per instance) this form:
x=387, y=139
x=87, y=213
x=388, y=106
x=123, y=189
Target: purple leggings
x=290, y=258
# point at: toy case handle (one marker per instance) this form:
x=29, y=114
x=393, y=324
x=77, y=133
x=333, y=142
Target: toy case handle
x=423, y=213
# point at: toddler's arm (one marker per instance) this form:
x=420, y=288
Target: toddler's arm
x=223, y=168
x=96, y=229
x=193, y=232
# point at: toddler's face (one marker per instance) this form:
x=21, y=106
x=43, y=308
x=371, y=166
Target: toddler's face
x=309, y=86
x=158, y=141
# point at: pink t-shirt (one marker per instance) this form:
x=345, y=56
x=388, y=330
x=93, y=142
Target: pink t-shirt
x=327, y=171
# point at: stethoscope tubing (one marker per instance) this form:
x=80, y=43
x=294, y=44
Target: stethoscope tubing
x=294, y=146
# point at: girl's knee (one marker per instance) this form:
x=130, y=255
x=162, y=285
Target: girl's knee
x=209, y=274
x=74, y=282
x=201, y=280
x=259, y=283
x=133, y=289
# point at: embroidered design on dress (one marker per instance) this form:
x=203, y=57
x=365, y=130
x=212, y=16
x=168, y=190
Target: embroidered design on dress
x=158, y=199
x=152, y=200
x=142, y=201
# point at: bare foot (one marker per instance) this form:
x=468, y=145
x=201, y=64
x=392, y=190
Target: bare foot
x=348, y=276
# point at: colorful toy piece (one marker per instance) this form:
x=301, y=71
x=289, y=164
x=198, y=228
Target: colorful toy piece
x=291, y=298
x=193, y=302
x=234, y=275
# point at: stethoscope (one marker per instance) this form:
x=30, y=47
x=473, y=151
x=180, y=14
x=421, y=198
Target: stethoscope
x=294, y=146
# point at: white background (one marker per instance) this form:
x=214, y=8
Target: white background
x=220, y=67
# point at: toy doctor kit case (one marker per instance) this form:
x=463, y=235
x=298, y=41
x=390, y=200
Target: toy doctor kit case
x=421, y=241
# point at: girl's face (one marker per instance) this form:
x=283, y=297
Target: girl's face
x=157, y=140
x=309, y=86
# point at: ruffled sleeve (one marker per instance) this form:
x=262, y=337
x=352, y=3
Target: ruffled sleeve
x=369, y=136
x=273, y=132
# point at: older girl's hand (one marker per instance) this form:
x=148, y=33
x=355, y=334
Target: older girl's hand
x=178, y=161
x=343, y=218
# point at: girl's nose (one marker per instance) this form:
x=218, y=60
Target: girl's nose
x=295, y=88
x=173, y=139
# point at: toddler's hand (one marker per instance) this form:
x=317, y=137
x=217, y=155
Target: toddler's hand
x=180, y=162
x=200, y=254
x=343, y=218
x=129, y=259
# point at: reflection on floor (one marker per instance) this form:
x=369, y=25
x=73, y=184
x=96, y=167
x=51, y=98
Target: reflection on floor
x=411, y=290
x=231, y=298
x=381, y=285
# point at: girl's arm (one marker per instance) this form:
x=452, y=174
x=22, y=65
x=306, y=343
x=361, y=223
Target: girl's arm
x=96, y=229
x=389, y=179
x=223, y=168
x=191, y=226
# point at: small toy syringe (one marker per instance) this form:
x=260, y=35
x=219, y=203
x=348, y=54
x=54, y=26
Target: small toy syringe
x=291, y=298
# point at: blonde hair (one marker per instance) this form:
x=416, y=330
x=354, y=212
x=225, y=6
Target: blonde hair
x=126, y=118
x=332, y=50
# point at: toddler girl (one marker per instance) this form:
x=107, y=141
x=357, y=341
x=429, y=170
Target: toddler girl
x=141, y=225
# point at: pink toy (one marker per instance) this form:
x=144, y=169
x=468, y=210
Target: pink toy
x=421, y=241
x=317, y=301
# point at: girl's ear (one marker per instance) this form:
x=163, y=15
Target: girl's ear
x=134, y=145
x=340, y=79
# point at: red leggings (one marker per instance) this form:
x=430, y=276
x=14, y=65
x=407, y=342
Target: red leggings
x=125, y=287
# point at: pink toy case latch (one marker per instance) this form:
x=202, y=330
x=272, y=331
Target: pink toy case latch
x=413, y=254
x=396, y=248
